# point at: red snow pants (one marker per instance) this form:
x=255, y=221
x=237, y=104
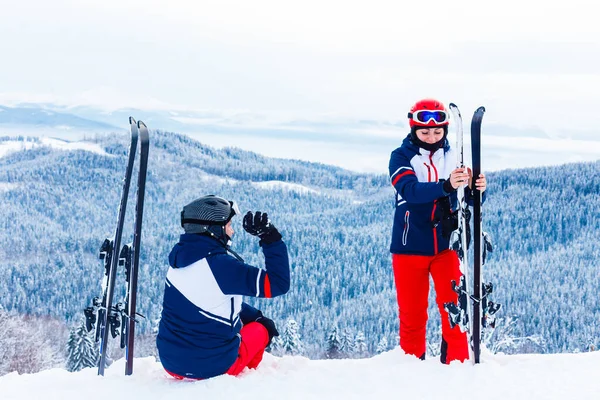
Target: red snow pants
x=411, y=275
x=254, y=341
x=252, y=347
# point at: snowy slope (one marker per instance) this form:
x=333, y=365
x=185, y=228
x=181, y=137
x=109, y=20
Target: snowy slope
x=292, y=187
x=389, y=375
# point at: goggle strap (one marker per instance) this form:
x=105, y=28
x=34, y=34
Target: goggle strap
x=202, y=222
x=235, y=210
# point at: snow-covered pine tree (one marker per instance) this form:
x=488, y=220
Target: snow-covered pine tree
x=347, y=343
x=292, y=343
x=382, y=346
x=82, y=350
x=276, y=347
x=7, y=344
x=360, y=345
x=333, y=344
x=502, y=339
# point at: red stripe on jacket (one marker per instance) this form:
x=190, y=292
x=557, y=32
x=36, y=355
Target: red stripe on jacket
x=397, y=178
x=267, y=287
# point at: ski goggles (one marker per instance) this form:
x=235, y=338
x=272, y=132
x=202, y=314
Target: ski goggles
x=426, y=116
x=235, y=210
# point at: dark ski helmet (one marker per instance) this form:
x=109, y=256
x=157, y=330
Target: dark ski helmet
x=208, y=214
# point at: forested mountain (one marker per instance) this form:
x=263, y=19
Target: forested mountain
x=58, y=206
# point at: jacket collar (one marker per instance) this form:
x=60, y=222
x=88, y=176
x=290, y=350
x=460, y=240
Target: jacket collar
x=408, y=144
x=193, y=247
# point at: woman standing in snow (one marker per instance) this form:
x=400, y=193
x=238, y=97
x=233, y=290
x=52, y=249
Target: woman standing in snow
x=424, y=174
x=205, y=329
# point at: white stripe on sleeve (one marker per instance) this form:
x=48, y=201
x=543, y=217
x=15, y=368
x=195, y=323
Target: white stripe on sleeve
x=258, y=282
x=398, y=170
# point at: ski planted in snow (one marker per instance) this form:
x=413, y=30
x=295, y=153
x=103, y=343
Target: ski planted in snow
x=483, y=309
x=477, y=234
x=460, y=313
x=102, y=315
x=132, y=274
x=473, y=312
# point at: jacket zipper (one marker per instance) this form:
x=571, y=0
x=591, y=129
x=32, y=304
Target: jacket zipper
x=434, y=168
x=406, y=227
x=435, y=243
x=231, y=315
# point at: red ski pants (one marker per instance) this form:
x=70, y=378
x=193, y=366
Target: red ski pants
x=411, y=275
x=254, y=341
x=252, y=347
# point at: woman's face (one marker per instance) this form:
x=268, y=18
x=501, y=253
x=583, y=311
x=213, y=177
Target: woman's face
x=430, y=135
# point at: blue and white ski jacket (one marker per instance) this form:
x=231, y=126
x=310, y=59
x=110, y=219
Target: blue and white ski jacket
x=203, y=312
x=418, y=176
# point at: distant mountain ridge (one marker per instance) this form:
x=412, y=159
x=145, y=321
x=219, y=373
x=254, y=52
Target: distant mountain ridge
x=90, y=117
x=358, y=144
x=37, y=116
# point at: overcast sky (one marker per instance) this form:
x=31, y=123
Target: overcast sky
x=531, y=63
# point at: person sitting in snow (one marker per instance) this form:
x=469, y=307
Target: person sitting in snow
x=206, y=329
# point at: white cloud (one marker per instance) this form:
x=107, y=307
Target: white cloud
x=356, y=58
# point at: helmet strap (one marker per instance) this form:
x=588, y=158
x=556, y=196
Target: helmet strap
x=223, y=240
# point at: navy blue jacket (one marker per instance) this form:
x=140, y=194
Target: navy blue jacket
x=203, y=312
x=418, y=176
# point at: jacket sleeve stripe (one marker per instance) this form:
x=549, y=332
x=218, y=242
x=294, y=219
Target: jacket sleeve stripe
x=397, y=178
x=398, y=170
x=258, y=283
x=214, y=317
x=267, y=287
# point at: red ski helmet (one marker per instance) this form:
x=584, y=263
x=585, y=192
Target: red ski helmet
x=428, y=113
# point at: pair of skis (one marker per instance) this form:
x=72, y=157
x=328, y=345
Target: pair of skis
x=473, y=311
x=120, y=319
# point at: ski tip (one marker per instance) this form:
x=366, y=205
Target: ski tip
x=480, y=110
x=141, y=125
x=132, y=121
x=455, y=111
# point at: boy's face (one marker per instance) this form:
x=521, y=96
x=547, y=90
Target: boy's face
x=229, y=230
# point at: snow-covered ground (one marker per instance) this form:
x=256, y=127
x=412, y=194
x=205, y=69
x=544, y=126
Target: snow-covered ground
x=389, y=375
x=286, y=186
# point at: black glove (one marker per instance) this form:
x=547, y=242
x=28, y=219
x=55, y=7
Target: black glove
x=449, y=225
x=270, y=325
x=443, y=215
x=259, y=225
x=448, y=186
